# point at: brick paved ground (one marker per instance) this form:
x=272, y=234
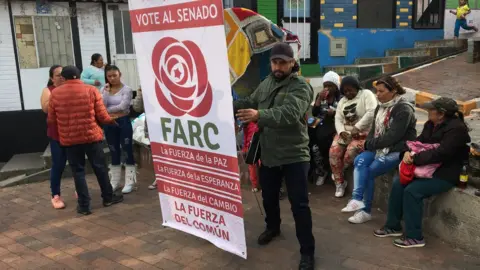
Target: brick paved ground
x=130, y=235
x=454, y=78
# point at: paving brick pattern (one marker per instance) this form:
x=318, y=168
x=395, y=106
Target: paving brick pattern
x=130, y=236
x=454, y=78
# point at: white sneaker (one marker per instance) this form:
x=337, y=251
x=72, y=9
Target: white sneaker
x=115, y=176
x=360, y=217
x=130, y=179
x=321, y=180
x=353, y=206
x=153, y=185
x=340, y=191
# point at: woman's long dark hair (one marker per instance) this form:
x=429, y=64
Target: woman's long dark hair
x=108, y=68
x=459, y=115
x=95, y=58
x=391, y=84
x=50, y=74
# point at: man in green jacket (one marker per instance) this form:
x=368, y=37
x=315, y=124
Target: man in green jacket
x=279, y=106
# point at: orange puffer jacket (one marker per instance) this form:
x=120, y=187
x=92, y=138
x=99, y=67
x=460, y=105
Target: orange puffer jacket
x=77, y=109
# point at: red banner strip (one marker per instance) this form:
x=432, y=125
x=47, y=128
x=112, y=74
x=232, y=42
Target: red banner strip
x=198, y=177
x=200, y=197
x=193, y=157
x=193, y=14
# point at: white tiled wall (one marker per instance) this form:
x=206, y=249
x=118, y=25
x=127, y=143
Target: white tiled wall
x=9, y=90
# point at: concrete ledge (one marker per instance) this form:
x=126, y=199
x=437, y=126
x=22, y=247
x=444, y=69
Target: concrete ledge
x=454, y=217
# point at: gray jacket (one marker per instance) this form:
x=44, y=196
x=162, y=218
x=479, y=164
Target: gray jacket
x=401, y=128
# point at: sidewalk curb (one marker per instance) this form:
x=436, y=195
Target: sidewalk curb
x=466, y=107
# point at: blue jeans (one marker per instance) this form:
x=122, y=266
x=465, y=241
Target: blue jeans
x=59, y=160
x=463, y=24
x=118, y=138
x=367, y=167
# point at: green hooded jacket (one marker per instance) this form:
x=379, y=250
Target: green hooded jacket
x=284, y=139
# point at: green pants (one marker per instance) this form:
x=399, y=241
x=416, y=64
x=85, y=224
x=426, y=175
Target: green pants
x=407, y=201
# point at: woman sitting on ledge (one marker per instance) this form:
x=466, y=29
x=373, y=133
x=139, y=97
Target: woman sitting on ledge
x=446, y=127
x=394, y=124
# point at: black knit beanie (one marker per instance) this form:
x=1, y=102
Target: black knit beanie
x=351, y=81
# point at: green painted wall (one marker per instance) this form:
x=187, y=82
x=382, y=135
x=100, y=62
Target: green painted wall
x=473, y=4
x=268, y=8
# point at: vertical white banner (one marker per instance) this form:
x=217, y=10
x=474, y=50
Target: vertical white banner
x=184, y=74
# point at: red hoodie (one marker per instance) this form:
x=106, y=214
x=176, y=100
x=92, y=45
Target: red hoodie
x=248, y=132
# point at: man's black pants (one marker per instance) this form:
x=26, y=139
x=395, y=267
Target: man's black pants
x=296, y=179
x=96, y=157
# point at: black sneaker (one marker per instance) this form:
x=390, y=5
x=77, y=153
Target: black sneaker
x=307, y=262
x=477, y=193
x=83, y=210
x=386, y=232
x=267, y=237
x=115, y=199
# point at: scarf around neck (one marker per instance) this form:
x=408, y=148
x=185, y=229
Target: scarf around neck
x=382, y=120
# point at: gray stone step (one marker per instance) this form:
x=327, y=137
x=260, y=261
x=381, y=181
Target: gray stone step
x=412, y=52
x=22, y=164
x=375, y=60
x=26, y=179
x=47, y=156
x=426, y=52
x=461, y=43
x=363, y=71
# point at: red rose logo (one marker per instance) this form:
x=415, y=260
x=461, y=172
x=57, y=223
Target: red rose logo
x=182, y=85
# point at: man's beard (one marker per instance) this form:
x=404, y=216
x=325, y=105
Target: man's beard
x=279, y=75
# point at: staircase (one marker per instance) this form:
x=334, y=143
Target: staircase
x=34, y=167
x=400, y=59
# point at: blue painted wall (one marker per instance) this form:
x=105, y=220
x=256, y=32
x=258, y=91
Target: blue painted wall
x=370, y=42
x=338, y=14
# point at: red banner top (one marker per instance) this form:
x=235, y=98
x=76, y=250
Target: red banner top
x=178, y=16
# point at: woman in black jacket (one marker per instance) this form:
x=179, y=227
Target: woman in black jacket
x=321, y=127
x=446, y=127
x=394, y=124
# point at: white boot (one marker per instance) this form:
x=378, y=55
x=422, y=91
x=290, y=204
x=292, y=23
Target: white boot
x=130, y=179
x=115, y=176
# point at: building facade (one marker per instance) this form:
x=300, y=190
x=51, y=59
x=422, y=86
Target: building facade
x=37, y=34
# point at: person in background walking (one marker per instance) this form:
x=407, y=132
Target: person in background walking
x=95, y=73
x=393, y=125
x=447, y=127
x=77, y=109
x=59, y=155
x=279, y=106
x=461, y=22
x=117, y=98
x=353, y=119
x=322, y=130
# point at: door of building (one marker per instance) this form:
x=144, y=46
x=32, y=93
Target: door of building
x=376, y=14
x=122, y=49
x=302, y=17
